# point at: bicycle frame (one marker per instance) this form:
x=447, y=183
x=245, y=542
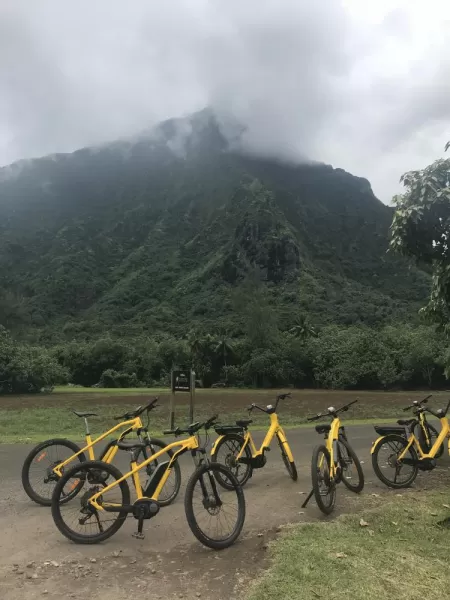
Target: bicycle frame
x=111, y=450
x=275, y=429
x=435, y=447
x=331, y=445
x=161, y=474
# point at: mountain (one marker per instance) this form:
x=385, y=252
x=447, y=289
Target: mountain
x=161, y=232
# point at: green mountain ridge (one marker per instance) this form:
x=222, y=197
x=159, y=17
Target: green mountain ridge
x=159, y=233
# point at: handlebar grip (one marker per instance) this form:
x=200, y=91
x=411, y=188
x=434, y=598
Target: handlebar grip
x=425, y=400
x=315, y=418
x=408, y=408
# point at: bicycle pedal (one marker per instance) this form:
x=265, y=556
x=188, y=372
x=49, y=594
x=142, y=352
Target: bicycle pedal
x=139, y=535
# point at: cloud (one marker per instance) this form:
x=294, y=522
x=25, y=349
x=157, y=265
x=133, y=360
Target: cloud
x=365, y=90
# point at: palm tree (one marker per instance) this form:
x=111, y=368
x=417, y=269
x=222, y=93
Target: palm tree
x=224, y=348
x=302, y=328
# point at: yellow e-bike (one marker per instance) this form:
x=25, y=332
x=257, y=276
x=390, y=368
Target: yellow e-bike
x=333, y=462
x=236, y=449
x=398, y=454
x=215, y=518
x=46, y=463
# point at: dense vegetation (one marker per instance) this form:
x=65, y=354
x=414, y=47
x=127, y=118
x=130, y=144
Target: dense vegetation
x=126, y=259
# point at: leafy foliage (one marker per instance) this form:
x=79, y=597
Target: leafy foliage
x=421, y=229
x=26, y=369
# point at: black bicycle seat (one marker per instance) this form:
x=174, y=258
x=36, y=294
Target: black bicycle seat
x=323, y=428
x=84, y=414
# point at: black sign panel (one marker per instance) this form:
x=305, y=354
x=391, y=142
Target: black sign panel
x=181, y=381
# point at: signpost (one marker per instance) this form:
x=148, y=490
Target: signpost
x=182, y=380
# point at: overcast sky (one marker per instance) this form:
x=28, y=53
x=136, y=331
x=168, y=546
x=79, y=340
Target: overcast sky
x=362, y=84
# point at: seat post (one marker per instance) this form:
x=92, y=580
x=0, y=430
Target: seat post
x=87, y=426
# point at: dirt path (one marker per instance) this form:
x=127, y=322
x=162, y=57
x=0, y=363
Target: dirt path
x=36, y=561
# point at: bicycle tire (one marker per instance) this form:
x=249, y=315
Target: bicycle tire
x=247, y=472
x=56, y=505
x=326, y=509
x=176, y=470
x=354, y=458
x=215, y=544
x=377, y=468
x=290, y=466
x=27, y=486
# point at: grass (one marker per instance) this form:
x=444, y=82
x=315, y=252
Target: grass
x=35, y=418
x=401, y=554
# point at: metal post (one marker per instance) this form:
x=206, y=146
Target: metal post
x=172, y=402
x=192, y=397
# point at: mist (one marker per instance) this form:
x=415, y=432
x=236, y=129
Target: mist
x=365, y=91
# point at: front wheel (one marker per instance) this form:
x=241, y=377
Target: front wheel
x=323, y=485
x=80, y=521
x=348, y=460
x=216, y=519
x=388, y=468
x=173, y=483
x=38, y=478
x=225, y=453
x=290, y=465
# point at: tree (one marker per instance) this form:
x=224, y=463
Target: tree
x=302, y=328
x=421, y=229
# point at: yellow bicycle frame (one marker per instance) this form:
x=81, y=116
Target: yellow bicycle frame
x=445, y=431
x=131, y=425
x=190, y=443
x=331, y=445
x=275, y=429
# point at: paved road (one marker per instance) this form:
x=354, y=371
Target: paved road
x=273, y=500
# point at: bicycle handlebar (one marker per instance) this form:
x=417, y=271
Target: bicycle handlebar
x=331, y=412
x=278, y=398
x=417, y=403
x=132, y=414
x=440, y=412
x=193, y=427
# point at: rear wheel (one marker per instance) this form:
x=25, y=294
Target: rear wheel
x=352, y=475
x=216, y=519
x=38, y=478
x=80, y=521
x=290, y=466
x=225, y=453
x=392, y=472
x=324, y=488
x=173, y=483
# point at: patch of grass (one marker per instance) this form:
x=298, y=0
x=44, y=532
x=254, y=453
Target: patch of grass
x=65, y=389
x=39, y=417
x=400, y=554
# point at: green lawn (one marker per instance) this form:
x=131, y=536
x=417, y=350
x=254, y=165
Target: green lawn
x=400, y=555
x=31, y=418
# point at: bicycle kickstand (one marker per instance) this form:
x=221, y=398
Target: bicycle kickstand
x=139, y=535
x=308, y=498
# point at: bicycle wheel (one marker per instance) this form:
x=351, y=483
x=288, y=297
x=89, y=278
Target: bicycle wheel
x=432, y=435
x=38, y=479
x=207, y=511
x=225, y=453
x=324, y=488
x=384, y=459
x=173, y=483
x=94, y=475
x=290, y=466
x=348, y=459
